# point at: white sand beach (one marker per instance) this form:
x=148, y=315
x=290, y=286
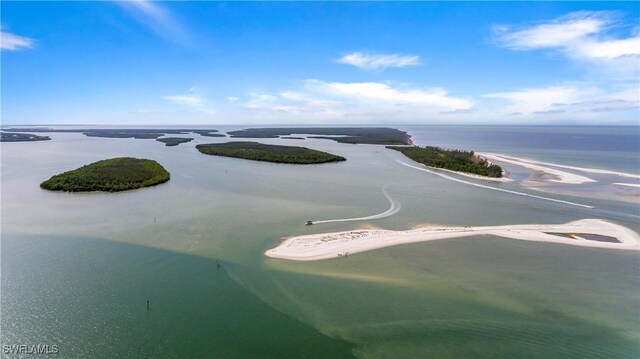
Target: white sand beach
x=558, y=176
x=451, y=178
x=635, y=185
x=581, y=169
x=340, y=244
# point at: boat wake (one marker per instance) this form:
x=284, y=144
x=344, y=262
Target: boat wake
x=395, y=208
x=445, y=176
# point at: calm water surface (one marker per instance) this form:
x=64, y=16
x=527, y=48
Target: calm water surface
x=77, y=269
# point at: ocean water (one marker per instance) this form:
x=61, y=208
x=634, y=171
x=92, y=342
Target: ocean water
x=77, y=269
x=607, y=147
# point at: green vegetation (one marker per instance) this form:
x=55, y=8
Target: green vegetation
x=144, y=133
x=114, y=134
x=368, y=135
x=112, y=175
x=292, y=138
x=269, y=153
x=21, y=137
x=174, y=141
x=209, y=133
x=455, y=160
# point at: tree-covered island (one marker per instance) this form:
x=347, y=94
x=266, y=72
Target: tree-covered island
x=21, y=137
x=174, y=141
x=112, y=175
x=269, y=153
x=454, y=160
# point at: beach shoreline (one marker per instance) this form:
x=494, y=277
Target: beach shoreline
x=341, y=244
x=558, y=176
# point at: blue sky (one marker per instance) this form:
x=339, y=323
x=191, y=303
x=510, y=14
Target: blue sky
x=142, y=62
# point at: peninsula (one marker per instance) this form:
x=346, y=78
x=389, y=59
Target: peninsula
x=454, y=160
x=268, y=153
x=112, y=175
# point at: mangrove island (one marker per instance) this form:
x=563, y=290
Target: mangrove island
x=174, y=141
x=454, y=160
x=21, y=137
x=269, y=153
x=112, y=175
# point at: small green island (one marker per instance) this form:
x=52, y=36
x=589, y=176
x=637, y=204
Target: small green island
x=112, y=175
x=268, y=153
x=174, y=141
x=209, y=133
x=454, y=160
x=21, y=137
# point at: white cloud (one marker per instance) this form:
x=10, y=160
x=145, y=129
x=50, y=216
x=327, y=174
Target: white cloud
x=376, y=92
x=529, y=101
x=317, y=101
x=574, y=100
x=144, y=111
x=261, y=101
x=379, y=61
x=582, y=36
x=610, y=49
x=233, y=98
x=562, y=32
x=591, y=39
x=193, y=100
x=13, y=42
x=159, y=20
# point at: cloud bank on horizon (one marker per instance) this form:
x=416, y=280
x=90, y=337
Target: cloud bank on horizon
x=154, y=63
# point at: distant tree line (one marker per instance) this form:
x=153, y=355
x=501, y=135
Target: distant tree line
x=138, y=133
x=355, y=135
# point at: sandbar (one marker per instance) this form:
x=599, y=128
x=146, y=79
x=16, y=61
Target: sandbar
x=636, y=185
x=558, y=175
x=342, y=244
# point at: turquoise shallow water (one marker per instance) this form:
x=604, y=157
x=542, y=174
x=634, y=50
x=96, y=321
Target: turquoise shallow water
x=78, y=268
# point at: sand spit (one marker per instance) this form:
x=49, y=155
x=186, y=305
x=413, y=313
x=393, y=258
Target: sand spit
x=581, y=169
x=635, y=185
x=445, y=176
x=341, y=244
x=558, y=175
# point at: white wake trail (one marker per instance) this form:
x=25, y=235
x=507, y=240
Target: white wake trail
x=493, y=188
x=395, y=208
